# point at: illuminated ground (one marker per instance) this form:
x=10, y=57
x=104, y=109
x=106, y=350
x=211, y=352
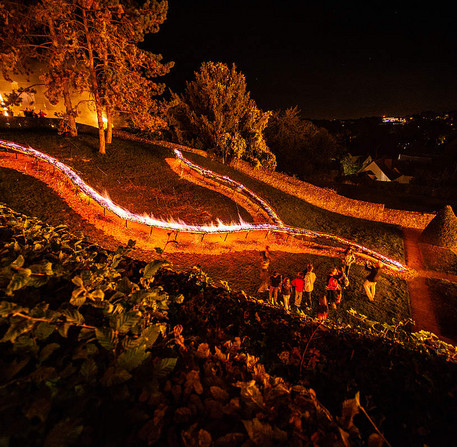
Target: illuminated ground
x=229, y=265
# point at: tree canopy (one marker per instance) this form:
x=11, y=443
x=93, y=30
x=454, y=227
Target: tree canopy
x=90, y=45
x=216, y=113
x=301, y=147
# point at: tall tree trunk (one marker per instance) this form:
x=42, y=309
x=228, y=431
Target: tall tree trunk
x=101, y=128
x=109, y=126
x=70, y=111
x=94, y=84
x=66, y=87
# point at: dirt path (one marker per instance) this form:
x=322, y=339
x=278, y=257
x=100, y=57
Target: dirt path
x=421, y=297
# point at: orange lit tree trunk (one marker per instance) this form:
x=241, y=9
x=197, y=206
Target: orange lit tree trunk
x=70, y=112
x=109, y=126
x=94, y=86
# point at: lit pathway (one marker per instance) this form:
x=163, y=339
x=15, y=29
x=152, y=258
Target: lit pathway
x=422, y=308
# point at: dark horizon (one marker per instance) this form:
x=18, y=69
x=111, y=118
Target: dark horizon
x=332, y=60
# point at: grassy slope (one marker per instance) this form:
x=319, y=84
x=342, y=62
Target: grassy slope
x=123, y=175
x=135, y=175
x=296, y=212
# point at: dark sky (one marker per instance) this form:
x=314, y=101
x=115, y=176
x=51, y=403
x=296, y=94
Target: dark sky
x=334, y=59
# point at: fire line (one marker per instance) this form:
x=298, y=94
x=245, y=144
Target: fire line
x=217, y=228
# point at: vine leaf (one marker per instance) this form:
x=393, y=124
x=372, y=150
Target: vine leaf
x=164, y=367
x=48, y=350
x=7, y=308
x=153, y=267
x=38, y=408
x=44, y=330
x=18, y=262
x=132, y=358
x=106, y=337
x=89, y=369
x=78, y=296
x=16, y=329
x=19, y=280
x=126, y=321
x=77, y=281
x=150, y=335
x=115, y=376
x=73, y=316
x=63, y=434
x=262, y=433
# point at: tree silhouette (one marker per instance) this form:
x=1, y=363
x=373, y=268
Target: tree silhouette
x=216, y=113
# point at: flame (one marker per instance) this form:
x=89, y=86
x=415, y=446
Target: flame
x=5, y=110
x=217, y=227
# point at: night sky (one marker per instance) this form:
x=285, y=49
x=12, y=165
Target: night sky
x=333, y=59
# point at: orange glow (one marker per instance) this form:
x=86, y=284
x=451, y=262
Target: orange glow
x=139, y=225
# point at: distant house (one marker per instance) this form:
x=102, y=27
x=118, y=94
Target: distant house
x=382, y=170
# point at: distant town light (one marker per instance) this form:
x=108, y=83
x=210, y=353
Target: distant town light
x=393, y=120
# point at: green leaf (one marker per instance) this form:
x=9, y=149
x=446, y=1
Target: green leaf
x=18, y=263
x=44, y=330
x=7, y=308
x=78, y=297
x=132, y=358
x=63, y=434
x=25, y=343
x=152, y=268
x=126, y=286
x=124, y=322
x=37, y=281
x=97, y=295
x=16, y=329
x=89, y=369
x=262, y=433
x=47, y=350
x=115, y=376
x=164, y=367
x=73, y=316
x=18, y=281
x=106, y=337
x=11, y=369
x=150, y=334
x=63, y=329
x=38, y=408
x=77, y=281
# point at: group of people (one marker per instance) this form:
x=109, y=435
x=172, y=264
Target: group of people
x=302, y=286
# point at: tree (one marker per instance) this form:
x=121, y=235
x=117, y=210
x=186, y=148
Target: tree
x=348, y=165
x=121, y=76
x=38, y=31
x=92, y=45
x=300, y=147
x=216, y=113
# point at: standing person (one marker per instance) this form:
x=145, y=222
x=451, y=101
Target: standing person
x=286, y=292
x=309, y=279
x=348, y=260
x=332, y=287
x=370, y=283
x=275, y=286
x=298, y=284
x=322, y=308
x=343, y=282
x=264, y=265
